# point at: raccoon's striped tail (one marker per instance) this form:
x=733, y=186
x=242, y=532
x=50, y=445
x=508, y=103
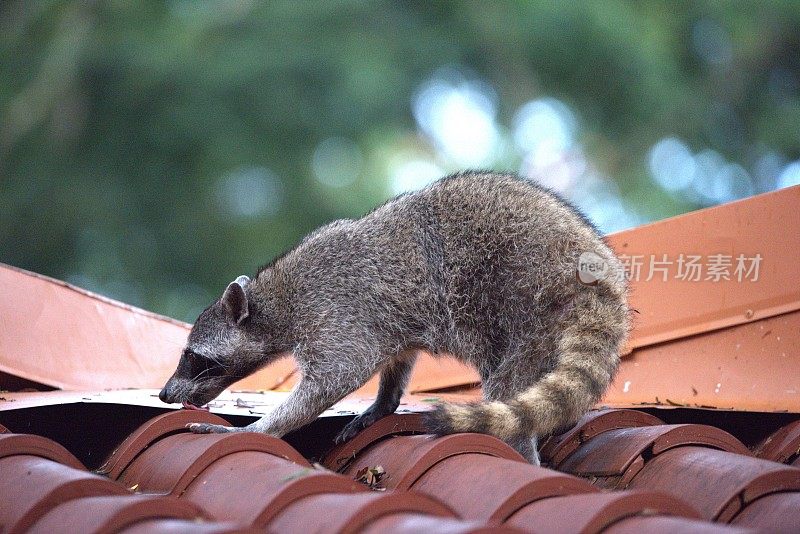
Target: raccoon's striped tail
x=588, y=356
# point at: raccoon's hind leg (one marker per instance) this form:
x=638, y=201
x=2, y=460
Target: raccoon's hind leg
x=528, y=446
x=501, y=385
x=393, y=382
x=586, y=359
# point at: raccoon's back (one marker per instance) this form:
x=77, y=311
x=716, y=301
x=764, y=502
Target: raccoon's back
x=488, y=209
x=470, y=246
x=498, y=230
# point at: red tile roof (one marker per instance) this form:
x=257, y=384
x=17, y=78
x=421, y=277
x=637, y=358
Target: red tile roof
x=616, y=471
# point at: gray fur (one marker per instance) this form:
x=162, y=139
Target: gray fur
x=478, y=265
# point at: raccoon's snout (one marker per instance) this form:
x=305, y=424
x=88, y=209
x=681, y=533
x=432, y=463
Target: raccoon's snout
x=174, y=391
x=168, y=393
x=179, y=390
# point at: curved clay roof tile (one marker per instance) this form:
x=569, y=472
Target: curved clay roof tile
x=252, y=487
x=781, y=446
x=151, y=431
x=344, y=513
x=32, y=445
x=664, y=524
x=92, y=515
x=717, y=483
x=614, y=457
x=31, y=486
x=338, y=458
x=481, y=487
x=416, y=523
x=406, y=458
x=778, y=512
x=594, y=512
x=559, y=447
x=170, y=464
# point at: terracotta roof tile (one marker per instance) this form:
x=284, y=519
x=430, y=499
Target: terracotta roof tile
x=392, y=425
x=661, y=524
x=718, y=483
x=149, y=433
x=182, y=526
x=112, y=513
x=782, y=446
x=336, y=512
x=779, y=511
x=594, y=512
x=483, y=487
x=28, y=444
x=416, y=523
x=407, y=458
x=172, y=463
x=558, y=447
x=252, y=487
x=613, y=458
x=31, y=486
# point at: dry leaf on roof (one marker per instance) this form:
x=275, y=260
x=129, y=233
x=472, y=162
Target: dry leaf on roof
x=371, y=476
x=243, y=403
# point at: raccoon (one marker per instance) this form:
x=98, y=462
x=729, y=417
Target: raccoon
x=478, y=265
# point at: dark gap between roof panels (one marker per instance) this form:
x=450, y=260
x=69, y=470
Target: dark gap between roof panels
x=15, y=383
x=748, y=427
x=91, y=431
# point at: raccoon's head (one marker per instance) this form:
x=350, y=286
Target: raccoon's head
x=223, y=347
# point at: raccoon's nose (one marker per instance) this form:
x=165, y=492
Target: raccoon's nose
x=166, y=394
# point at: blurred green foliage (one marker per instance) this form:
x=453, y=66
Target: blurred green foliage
x=153, y=151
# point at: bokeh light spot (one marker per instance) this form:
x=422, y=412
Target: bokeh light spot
x=790, y=175
x=337, y=162
x=413, y=175
x=250, y=192
x=459, y=117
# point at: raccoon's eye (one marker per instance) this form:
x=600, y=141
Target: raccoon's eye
x=202, y=367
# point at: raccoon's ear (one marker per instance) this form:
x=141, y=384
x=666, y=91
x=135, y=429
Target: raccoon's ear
x=235, y=300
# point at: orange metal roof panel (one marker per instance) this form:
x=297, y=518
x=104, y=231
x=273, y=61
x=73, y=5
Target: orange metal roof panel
x=766, y=225
x=753, y=366
x=57, y=334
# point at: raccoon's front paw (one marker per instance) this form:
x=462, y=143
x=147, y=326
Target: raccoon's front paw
x=206, y=428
